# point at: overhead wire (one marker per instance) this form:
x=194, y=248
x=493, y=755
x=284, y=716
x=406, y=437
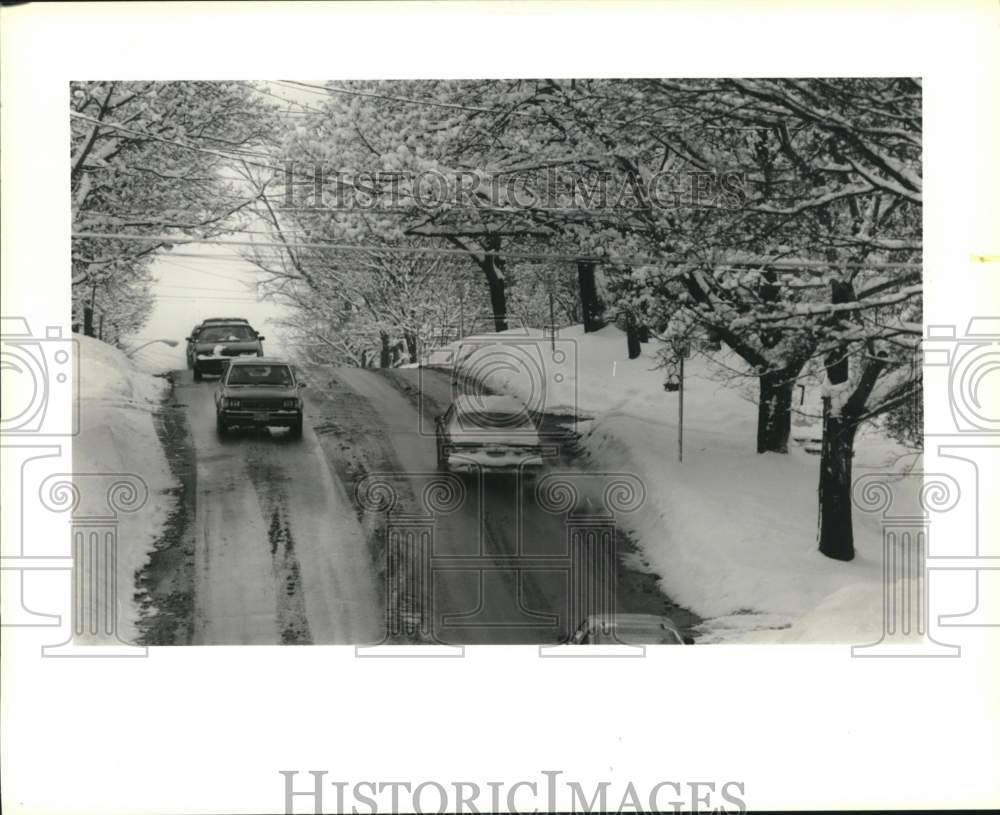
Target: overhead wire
x=789, y=264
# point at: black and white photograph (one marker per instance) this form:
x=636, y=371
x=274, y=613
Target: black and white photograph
x=585, y=361
x=524, y=359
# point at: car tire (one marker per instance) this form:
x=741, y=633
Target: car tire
x=295, y=431
x=220, y=426
x=197, y=373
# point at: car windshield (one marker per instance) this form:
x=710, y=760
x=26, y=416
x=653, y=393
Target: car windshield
x=489, y=419
x=276, y=375
x=226, y=333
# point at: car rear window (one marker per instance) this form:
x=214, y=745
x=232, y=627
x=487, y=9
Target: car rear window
x=259, y=375
x=488, y=419
x=226, y=333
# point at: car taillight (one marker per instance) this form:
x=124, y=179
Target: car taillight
x=290, y=403
x=233, y=403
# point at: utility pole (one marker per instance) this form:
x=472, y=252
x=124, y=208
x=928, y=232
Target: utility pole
x=680, y=412
x=681, y=348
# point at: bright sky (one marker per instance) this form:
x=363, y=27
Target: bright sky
x=189, y=289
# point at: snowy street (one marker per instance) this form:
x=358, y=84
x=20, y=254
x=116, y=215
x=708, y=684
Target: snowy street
x=284, y=549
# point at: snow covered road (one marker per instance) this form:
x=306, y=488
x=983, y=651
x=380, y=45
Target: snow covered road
x=279, y=553
x=286, y=550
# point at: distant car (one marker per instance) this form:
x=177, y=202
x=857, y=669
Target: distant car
x=259, y=393
x=190, y=345
x=208, y=320
x=628, y=629
x=212, y=346
x=492, y=434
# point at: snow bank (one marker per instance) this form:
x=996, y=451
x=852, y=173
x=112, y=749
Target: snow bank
x=118, y=435
x=731, y=533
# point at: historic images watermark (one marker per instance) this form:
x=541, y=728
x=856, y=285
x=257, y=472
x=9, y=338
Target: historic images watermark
x=314, y=792
x=41, y=371
x=324, y=186
x=962, y=442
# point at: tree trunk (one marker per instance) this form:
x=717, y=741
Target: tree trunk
x=493, y=267
x=88, y=321
x=632, y=337
x=384, y=359
x=774, y=412
x=836, y=533
x=590, y=304
x=411, y=345
x=498, y=302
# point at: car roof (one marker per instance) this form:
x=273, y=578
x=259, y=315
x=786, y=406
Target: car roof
x=259, y=361
x=488, y=404
x=224, y=323
x=225, y=320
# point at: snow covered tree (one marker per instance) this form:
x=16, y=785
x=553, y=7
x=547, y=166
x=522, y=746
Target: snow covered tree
x=153, y=159
x=796, y=237
x=378, y=303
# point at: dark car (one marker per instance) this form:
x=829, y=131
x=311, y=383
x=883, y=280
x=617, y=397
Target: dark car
x=208, y=321
x=190, y=345
x=259, y=393
x=214, y=345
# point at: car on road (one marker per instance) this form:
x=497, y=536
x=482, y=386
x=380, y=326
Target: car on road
x=490, y=434
x=259, y=393
x=628, y=629
x=213, y=344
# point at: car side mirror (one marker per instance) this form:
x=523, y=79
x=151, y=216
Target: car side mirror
x=187, y=339
x=260, y=338
x=302, y=384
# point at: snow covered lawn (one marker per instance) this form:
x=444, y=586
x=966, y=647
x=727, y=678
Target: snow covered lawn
x=118, y=435
x=732, y=534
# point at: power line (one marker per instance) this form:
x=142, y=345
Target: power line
x=197, y=288
x=169, y=259
x=208, y=297
x=331, y=91
x=790, y=264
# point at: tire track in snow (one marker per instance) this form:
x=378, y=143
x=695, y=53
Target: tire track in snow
x=268, y=481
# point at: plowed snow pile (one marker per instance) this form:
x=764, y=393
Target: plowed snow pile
x=732, y=534
x=118, y=436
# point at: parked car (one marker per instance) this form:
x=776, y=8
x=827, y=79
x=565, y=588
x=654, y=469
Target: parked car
x=215, y=344
x=493, y=434
x=628, y=629
x=259, y=393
